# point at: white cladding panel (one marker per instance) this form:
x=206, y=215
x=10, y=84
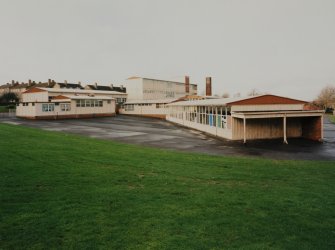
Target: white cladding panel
x=134, y=88
x=35, y=97
x=151, y=89
x=272, y=107
x=36, y=110
x=149, y=109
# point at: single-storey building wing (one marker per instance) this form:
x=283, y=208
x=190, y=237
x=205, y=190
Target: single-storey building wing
x=257, y=117
x=51, y=103
x=149, y=108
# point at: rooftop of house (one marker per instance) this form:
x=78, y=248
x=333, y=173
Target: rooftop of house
x=70, y=85
x=27, y=85
x=74, y=91
x=106, y=88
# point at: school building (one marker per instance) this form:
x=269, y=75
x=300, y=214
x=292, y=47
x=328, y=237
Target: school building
x=260, y=117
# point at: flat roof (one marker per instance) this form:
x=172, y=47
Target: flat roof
x=167, y=100
x=78, y=97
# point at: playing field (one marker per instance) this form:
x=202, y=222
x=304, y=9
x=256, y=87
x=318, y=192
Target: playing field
x=68, y=191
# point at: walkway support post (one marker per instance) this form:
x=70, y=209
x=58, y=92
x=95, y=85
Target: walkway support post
x=244, y=130
x=284, y=125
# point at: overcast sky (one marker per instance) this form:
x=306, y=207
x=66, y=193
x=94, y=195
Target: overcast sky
x=284, y=47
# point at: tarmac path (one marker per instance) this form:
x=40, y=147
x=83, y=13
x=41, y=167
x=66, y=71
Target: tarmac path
x=163, y=134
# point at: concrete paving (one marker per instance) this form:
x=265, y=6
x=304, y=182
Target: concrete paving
x=162, y=134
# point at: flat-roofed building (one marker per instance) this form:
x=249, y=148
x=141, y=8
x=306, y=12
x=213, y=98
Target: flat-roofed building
x=54, y=103
x=149, y=97
x=149, y=108
x=260, y=117
x=140, y=88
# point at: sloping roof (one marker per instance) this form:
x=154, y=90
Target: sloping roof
x=60, y=97
x=107, y=88
x=267, y=99
x=251, y=100
x=79, y=91
x=5, y=86
x=44, y=85
x=70, y=85
x=34, y=90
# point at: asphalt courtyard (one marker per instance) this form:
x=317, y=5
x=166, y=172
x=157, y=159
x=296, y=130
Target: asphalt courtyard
x=162, y=134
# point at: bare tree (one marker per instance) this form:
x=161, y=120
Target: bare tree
x=326, y=98
x=225, y=95
x=237, y=95
x=254, y=92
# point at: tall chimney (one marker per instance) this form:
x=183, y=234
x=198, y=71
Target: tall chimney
x=187, y=85
x=29, y=82
x=208, y=86
x=49, y=82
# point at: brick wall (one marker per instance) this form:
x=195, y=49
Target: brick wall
x=312, y=128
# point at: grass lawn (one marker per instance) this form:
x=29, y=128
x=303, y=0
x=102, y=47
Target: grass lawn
x=68, y=191
x=332, y=118
x=3, y=109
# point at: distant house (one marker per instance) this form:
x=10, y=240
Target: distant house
x=19, y=88
x=121, y=89
x=66, y=85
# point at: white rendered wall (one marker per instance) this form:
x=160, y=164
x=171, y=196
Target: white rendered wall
x=35, y=97
x=145, y=110
x=36, y=111
x=134, y=88
x=268, y=107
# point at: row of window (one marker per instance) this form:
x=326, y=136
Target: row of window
x=130, y=107
x=26, y=104
x=121, y=100
x=65, y=106
x=48, y=107
x=90, y=103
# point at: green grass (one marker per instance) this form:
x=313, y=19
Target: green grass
x=3, y=109
x=332, y=118
x=67, y=191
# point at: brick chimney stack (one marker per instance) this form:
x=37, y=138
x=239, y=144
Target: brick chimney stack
x=187, y=85
x=208, y=86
